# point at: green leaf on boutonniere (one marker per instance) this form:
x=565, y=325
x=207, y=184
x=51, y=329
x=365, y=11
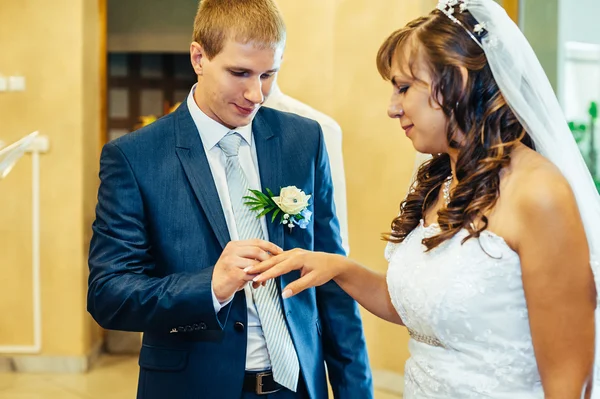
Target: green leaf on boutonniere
x=277, y=211
x=264, y=212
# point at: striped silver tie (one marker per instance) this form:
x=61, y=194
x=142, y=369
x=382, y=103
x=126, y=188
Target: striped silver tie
x=284, y=360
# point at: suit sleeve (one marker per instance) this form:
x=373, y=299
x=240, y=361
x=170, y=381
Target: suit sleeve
x=122, y=293
x=343, y=339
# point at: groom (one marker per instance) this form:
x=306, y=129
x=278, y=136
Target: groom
x=173, y=236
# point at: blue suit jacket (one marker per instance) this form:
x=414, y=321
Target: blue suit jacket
x=158, y=233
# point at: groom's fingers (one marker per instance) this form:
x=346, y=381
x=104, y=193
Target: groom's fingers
x=249, y=252
x=262, y=244
x=250, y=263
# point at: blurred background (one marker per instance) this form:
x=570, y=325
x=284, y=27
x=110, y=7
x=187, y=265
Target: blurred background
x=83, y=72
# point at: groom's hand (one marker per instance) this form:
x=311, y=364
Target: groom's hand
x=229, y=275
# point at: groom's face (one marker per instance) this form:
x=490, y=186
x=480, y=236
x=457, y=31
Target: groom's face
x=234, y=83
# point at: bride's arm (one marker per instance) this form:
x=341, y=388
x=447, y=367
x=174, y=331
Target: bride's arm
x=370, y=289
x=558, y=283
x=367, y=287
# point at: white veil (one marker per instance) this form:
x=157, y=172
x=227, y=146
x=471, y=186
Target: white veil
x=528, y=92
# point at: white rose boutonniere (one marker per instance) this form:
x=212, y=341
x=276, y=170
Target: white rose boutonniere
x=291, y=206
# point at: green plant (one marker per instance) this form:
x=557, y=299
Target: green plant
x=585, y=136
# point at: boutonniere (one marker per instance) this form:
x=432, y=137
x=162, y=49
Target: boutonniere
x=291, y=206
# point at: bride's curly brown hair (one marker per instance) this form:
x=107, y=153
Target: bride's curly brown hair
x=475, y=107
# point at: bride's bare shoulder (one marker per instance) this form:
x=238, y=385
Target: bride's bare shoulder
x=536, y=185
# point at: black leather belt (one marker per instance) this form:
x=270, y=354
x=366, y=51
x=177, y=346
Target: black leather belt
x=261, y=383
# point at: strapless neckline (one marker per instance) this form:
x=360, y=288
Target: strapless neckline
x=434, y=228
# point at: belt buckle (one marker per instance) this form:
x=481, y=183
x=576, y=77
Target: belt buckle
x=259, y=384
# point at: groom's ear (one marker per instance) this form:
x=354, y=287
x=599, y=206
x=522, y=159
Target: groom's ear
x=197, y=57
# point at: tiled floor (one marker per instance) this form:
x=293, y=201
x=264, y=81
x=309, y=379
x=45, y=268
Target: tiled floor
x=114, y=377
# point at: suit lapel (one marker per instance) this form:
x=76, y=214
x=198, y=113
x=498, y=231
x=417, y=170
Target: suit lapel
x=268, y=151
x=191, y=154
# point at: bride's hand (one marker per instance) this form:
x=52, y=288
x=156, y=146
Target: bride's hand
x=317, y=268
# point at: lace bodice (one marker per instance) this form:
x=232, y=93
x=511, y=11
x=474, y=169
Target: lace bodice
x=469, y=298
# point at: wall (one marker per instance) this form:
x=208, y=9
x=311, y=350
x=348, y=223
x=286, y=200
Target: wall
x=577, y=23
x=579, y=20
x=55, y=46
x=539, y=21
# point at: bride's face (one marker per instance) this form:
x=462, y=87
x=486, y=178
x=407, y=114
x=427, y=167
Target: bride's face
x=420, y=116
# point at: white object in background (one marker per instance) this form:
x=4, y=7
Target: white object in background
x=332, y=133
x=3, y=84
x=11, y=154
x=34, y=144
x=16, y=83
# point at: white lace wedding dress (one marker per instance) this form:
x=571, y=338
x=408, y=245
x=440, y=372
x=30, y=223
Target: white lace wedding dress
x=464, y=306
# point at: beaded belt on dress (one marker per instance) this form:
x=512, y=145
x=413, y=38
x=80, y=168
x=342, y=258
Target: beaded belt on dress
x=425, y=339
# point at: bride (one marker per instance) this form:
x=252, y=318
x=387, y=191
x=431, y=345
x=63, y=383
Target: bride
x=489, y=258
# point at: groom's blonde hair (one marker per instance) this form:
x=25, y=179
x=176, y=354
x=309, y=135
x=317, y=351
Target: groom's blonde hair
x=257, y=21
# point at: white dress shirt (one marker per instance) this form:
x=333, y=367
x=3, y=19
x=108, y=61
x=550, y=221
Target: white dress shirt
x=211, y=132
x=332, y=132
